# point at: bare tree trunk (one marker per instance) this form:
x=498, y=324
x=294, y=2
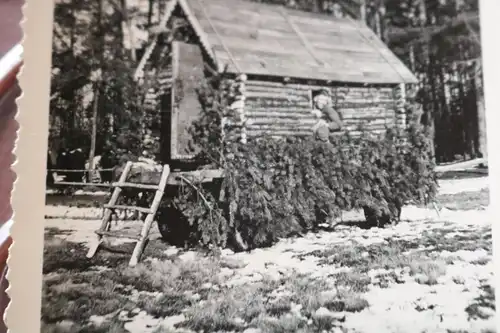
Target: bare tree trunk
x=481, y=114
x=93, y=138
x=317, y=6
x=412, y=57
x=378, y=29
x=362, y=11
x=131, y=35
x=97, y=86
x=424, y=20
x=150, y=13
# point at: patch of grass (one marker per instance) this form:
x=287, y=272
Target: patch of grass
x=483, y=306
x=473, y=200
x=278, y=307
x=447, y=240
x=221, y=308
x=282, y=324
x=70, y=327
x=354, y=280
x=73, y=292
x=167, y=276
x=52, y=231
x=314, y=294
x=354, y=302
x=458, y=280
x=165, y=305
x=347, y=301
x=62, y=255
x=163, y=329
x=76, y=298
x=481, y=261
x=380, y=256
x=427, y=271
x=311, y=294
x=59, y=254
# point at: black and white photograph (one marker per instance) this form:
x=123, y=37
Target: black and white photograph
x=267, y=166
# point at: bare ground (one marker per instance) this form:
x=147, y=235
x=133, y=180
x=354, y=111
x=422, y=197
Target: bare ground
x=430, y=273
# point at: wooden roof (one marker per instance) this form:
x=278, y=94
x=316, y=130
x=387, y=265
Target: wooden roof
x=262, y=39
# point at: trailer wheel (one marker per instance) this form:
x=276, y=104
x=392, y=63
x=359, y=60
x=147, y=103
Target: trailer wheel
x=373, y=220
x=173, y=226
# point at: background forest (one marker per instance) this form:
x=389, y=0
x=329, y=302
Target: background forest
x=97, y=105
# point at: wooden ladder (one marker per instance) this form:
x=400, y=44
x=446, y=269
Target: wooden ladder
x=104, y=230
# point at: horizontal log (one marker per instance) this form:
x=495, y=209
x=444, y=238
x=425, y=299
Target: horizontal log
x=273, y=127
x=197, y=176
x=351, y=114
x=370, y=122
x=259, y=133
x=136, y=185
x=367, y=110
x=124, y=207
x=306, y=86
x=118, y=234
x=292, y=114
x=80, y=170
x=279, y=121
x=82, y=184
x=276, y=95
x=278, y=90
x=348, y=95
x=275, y=103
x=287, y=132
x=360, y=104
x=297, y=108
x=368, y=128
x=367, y=116
x=363, y=99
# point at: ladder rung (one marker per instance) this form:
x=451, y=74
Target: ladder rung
x=135, y=185
x=117, y=234
x=139, y=209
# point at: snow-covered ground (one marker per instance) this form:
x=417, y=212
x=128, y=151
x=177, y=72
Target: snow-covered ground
x=410, y=306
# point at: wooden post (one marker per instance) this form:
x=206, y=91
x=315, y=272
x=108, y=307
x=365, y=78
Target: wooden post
x=412, y=57
x=238, y=105
x=481, y=114
x=362, y=9
x=378, y=28
x=400, y=106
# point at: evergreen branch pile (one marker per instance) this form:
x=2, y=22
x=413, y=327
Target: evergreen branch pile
x=274, y=188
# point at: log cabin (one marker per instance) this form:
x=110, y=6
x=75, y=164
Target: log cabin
x=10, y=62
x=276, y=59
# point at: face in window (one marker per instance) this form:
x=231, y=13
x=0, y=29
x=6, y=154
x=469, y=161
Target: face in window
x=321, y=101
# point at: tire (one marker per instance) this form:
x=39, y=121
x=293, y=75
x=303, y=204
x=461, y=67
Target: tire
x=373, y=220
x=173, y=226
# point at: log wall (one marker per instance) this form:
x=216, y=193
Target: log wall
x=285, y=109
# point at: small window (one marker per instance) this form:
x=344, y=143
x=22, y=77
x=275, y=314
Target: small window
x=314, y=94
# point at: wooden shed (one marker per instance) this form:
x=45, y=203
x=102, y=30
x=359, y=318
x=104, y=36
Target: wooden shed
x=278, y=58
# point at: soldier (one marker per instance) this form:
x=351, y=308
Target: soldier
x=328, y=118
